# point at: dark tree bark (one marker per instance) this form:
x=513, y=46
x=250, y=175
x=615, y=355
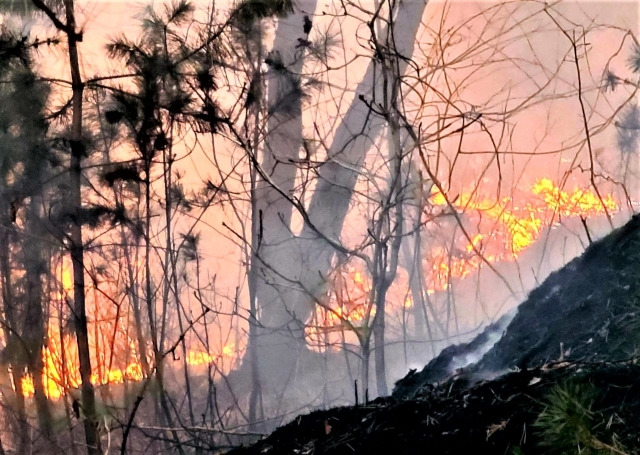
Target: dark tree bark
x=76, y=247
x=34, y=331
x=13, y=353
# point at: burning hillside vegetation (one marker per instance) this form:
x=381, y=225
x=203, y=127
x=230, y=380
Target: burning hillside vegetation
x=561, y=379
x=494, y=231
x=510, y=226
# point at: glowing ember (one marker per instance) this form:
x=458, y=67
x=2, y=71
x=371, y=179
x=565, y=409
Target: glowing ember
x=408, y=302
x=66, y=280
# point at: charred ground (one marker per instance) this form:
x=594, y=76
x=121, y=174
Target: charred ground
x=562, y=378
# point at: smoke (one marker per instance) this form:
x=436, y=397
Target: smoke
x=493, y=334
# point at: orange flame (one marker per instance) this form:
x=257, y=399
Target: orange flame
x=56, y=384
x=505, y=231
x=510, y=229
x=197, y=358
x=114, y=355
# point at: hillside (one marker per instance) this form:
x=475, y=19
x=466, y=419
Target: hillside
x=562, y=378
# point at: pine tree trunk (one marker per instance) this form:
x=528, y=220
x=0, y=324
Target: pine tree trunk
x=92, y=437
x=34, y=333
x=135, y=304
x=13, y=353
x=255, y=397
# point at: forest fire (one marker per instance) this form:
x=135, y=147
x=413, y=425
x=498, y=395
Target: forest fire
x=57, y=384
x=197, y=358
x=346, y=309
x=60, y=376
x=190, y=192
x=61, y=371
x=504, y=231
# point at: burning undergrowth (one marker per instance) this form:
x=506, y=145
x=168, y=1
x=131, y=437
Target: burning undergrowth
x=561, y=379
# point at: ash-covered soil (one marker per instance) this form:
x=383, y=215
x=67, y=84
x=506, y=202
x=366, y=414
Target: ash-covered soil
x=490, y=417
x=562, y=378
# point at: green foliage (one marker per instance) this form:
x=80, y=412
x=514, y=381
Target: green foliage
x=178, y=13
x=121, y=173
x=190, y=246
x=628, y=123
x=274, y=60
x=94, y=216
x=162, y=28
x=179, y=198
x=565, y=423
x=628, y=127
x=248, y=11
x=23, y=155
x=14, y=50
x=568, y=423
x=168, y=67
x=634, y=60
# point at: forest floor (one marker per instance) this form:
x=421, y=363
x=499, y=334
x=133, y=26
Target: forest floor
x=562, y=408
x=563, y=377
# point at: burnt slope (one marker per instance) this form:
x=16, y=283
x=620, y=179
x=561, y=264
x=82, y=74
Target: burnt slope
x=542, y=399
x=493, y=417
x=451, y=359
x=591, y=307
x=589, y=310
